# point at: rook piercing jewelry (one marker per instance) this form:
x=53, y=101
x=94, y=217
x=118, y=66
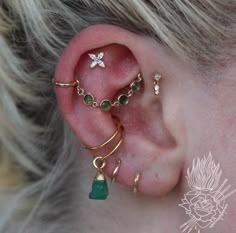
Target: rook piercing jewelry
x=105, y=104
x=97, y=60
x=156, y=87
x=114, y=174
x=136, y=181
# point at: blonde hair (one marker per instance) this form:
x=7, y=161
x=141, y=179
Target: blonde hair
x=36, y=145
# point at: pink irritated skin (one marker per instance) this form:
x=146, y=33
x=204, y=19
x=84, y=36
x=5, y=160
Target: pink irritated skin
x=192, y=115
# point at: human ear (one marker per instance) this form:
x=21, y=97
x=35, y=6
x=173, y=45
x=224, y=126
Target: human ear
x=150, y=142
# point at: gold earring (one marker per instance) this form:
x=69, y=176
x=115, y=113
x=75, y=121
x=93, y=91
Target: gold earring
x=70, y=84
x=108, y=140
x=136, y=182
x=99, y=187
x=156, y=86
x=115, y=171
x=105, y=104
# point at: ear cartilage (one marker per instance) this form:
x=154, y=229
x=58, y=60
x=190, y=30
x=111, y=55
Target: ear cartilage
x=97, y=60
x=156, y=86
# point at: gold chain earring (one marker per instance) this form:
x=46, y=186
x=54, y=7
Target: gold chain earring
x=105, y=104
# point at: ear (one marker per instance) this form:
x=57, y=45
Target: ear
x=150, y=143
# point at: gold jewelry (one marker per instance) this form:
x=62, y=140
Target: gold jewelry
x=136, y=181
x=99, y=187
x=105, y=104
x=156, y=86
x=107, y=141
x=115, y=171
x=71, y=84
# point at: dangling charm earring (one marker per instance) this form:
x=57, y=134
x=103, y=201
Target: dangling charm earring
x=99, y=187
x=156, y=86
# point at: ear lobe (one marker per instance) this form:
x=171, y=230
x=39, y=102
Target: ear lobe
x=147, y=148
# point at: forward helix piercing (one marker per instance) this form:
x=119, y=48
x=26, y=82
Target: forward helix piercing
x=136, y=182
x=105, y=104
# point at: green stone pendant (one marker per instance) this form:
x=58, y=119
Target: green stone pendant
x=99, y=188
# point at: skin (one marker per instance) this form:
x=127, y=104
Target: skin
x=193, y=114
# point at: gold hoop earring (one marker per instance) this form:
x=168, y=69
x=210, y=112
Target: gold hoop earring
x=136, y=182
x=99, y=187
x=115, y=171
x=65, y=85
x=108, y=140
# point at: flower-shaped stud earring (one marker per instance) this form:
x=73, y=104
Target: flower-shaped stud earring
x=97, y=60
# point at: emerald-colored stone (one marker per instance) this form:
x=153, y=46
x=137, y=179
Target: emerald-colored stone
x=88, y=99
x=123, y=99
x=135, y=86
x=105, y=105
x=99, y=190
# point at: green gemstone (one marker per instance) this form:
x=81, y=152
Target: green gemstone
x=88, y=99
x=135, y=86
x=105, y=105
x=123, y=99
x=99, y=190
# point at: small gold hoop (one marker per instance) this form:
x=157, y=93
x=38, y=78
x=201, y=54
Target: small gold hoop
x=114, y=174
x=136, y=181
x=71, y=84
x=97, y=160
x=106, y=142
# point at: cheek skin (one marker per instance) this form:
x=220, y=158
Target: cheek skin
x=210, y=122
